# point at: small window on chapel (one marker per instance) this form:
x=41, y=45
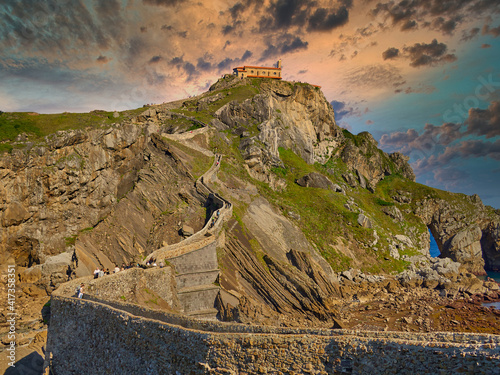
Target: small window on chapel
x=274, y=73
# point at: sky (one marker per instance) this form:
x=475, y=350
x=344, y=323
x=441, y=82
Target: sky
x=423, y=76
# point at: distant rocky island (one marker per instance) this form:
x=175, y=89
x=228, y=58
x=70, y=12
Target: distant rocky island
x=255, y=236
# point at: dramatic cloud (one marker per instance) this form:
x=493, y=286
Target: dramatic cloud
x=390, y=53
x=283, y=15
x=419, y=89
x=166, y=3
x=325, y=20
x=484, y=122
x=155, y=59
x=438, y=146
x=102, y=59
x=287, y=43
x=440, y=15
x=340, y=110
x=425, y=147
x=470, y=34
x=450, y=177
x=495, y=31
x=447, y=27
x=421, y=54
x=374, y=76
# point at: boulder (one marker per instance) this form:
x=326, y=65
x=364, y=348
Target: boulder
x=393, y=212
x=362, y=181
x=187, y=231
x=350, y=179
x=317, y=180
x=364, y=221
x=15, y=214
x=404, y=239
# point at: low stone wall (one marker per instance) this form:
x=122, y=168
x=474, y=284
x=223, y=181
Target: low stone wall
x=88, y=336
x=125, y=283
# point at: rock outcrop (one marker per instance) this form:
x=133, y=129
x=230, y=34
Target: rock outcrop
x=117, y=194
x=317, y=180
x=465, y=231
x=96, y=194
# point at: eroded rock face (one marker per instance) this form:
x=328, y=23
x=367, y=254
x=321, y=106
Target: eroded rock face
x=464, y=230
x=465, y=246
x=294, y=117
x=96, y=194
x=490, y=243
x=370, y=163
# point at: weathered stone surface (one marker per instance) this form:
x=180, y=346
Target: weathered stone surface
x=393, y=212
x=316, y=180
x=364, y=221
x=350, y=179
x=187, y=230
x=364, y=157
x=114, y=337
x=14, y=214
x=465, y=247
x=464, y=231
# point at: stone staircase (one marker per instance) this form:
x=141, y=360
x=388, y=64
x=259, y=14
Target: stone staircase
x=195, y=258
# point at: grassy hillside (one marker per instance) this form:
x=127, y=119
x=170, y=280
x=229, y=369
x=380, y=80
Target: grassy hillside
x=36, y=125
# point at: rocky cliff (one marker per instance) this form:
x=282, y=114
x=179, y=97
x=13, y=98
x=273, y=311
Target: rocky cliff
x=311, y=201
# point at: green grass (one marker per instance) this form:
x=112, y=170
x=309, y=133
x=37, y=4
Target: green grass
x=235, y=93
x=323, y=218
x=37, y=125
x=381, y=202
x=199, y=163
x=70, y=241
x=11, y=125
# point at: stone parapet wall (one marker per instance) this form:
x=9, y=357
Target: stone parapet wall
x=124, y=283
x=127, y=339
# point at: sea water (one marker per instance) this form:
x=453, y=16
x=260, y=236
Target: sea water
x=434, y=249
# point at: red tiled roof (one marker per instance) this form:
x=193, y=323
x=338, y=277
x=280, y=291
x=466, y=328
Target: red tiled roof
x=261, y=67
x=273, y=77
x=255, y=67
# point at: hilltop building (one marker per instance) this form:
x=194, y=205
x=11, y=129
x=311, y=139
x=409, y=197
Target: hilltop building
x=258, y=71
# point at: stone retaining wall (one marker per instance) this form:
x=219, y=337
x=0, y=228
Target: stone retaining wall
x=112, y=337
x=201, y=259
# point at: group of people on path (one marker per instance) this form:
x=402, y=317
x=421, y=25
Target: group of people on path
x=105, y=271
x=214, y=219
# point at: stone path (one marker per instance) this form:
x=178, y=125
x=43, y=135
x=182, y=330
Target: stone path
x=195, y=258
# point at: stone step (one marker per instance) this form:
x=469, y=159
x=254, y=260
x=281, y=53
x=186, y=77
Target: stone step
x=191, y=279
x=197, y=288
x=208, y=314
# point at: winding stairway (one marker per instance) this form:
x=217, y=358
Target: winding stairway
x=195, y=258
